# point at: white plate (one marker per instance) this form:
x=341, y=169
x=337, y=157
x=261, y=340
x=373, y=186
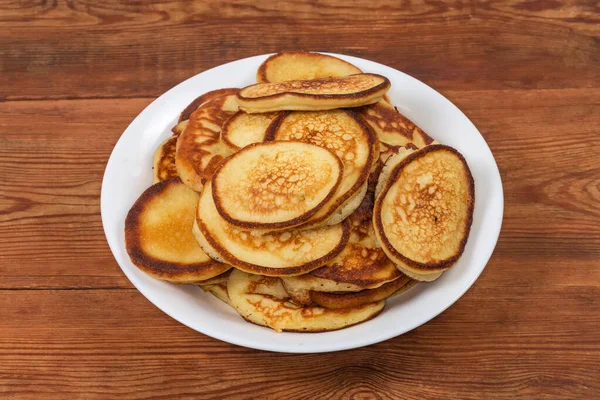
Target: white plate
x=129, y=173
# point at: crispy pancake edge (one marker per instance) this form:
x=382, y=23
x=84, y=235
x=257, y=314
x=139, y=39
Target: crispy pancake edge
x=197, y=102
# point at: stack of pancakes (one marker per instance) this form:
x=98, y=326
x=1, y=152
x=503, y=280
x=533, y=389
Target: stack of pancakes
x=303, y=201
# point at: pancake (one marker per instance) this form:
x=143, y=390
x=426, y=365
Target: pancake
x=283, y=253
x=423, y=215
x=302, y=65
x=357, y=299
x=180, y=127
x=218, y=290
x=222, y=278
x=206, y=97
x=313, y=95
x=275, y=185
x=343, y=132
x=164, y=160
x=158, y=235
x=275, y=311
x=392, y=127
x=243, y=129
x=199, y=148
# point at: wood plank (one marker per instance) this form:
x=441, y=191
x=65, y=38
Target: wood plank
x=136, y=50
x=553, y=189
x=112, y=343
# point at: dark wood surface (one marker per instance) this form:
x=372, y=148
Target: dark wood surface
x=73, y=74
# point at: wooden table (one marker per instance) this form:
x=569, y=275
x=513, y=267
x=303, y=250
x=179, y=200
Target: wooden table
x=74, y=74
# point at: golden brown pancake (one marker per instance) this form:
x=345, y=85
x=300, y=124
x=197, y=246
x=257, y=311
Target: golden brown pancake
x=164, y=160
x=275, y=185
x=423, y=215
x=206, y=97
x=262, y=301
x=283, y=253
x=179, y=128
x=199, y=148
x=392, y=127
x=302, y=65
x=313, y=95
x=346, y=134
x=222, y=278
x=219, y=290
x=159, y=239
x=357, y=299
x=243, y=129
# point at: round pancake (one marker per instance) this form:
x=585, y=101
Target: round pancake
x=283, y=253
x=199, y=148
x=243, y=129
x=208, y=96
x=302, y=65
x=313, y=95
x=164, y=160
x=423, y=215
x=357, y=299
x=275, y=185
x=179, y=128
x=219, y=290
x=346, y=134
x=222, y=278
x=392, y=127
x=158, y=235
x=273, y=310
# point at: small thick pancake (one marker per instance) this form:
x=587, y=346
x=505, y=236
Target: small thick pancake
x=159, y=239
x=164, y=160
x=283, y=253
x=357, y=299
x=275, y=185
x=343, y=132
x=243, y=129
x=302, y=65
x=180, y=127
x=215, y=280
x=313, y=95
x=423, y=215
x=208, y=96
x=251, y=296
x=392, y=127
x=199, y=148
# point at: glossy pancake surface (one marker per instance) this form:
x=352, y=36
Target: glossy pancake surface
x=206, y=97
x=315, y=94
x=164, y=160
x=392, y=127
x=159, y=239
x=275, y=311
x=423, y=215
x=302, y=65
x=199, y=148
x=344, y=133
x=282, y=253
x=275, y=185
x=243, y=129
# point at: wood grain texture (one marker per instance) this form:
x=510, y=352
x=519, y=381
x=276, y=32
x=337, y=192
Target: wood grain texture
x=73, y=74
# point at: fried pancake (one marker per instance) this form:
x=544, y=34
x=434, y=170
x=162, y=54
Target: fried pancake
x=343, y=132
x=276, y=312
x=206, y=97
x=179, y=128
x=313, y=95
x=244, y=129
x=357, y=299
x=275, y=185
x=423, y=215
x=158, y=235
x=219, y=290
x=222, y=278
x=392, y=127
x=164, y=160
x=283, y=253
x=302, y=65
x=199, y=148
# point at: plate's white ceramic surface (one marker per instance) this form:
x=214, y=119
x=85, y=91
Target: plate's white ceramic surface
x=129, y=173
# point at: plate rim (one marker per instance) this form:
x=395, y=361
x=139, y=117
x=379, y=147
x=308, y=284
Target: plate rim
x=359, y=342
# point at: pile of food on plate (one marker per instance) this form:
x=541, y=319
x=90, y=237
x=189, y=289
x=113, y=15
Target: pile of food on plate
x=303, y=201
